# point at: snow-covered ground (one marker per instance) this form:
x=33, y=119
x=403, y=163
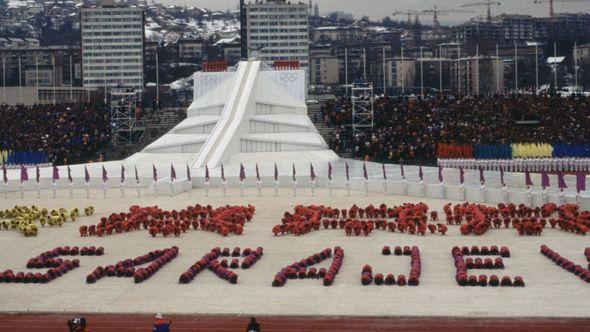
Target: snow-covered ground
x=192, y=28
x=550, y=291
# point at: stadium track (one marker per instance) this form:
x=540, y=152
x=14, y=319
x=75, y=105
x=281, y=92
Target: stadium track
x=132, y=323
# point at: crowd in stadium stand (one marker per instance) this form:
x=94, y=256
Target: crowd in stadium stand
x=411, y=129
x=67, y=134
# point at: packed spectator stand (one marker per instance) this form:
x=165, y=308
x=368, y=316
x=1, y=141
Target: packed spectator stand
x=57, y=134
x=420, y=130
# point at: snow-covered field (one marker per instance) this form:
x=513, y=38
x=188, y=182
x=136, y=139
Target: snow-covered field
x=549, y=291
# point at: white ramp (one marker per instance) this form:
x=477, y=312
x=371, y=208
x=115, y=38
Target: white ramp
x=253, y=112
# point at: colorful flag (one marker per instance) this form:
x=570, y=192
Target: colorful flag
x=257, y=173
x=24, y=175
x=545, y=179
x=294, y=173
x=461, y=175
x=242, y=172
x=502, y=176
x=4, y=173
x=70, y=179
x=86, y=175
x=276, y=173
x=580, y=181
x=329, y=171
x=384, y=172
x=365, y=174
x=402, y=170
x=311, y=172
x=188, y=173
x=482, y=178
x=55, y=173
x=347, y=172
x=222, y=173
x=37, y=173
x=172, y=172
x=420, y=173
x=136, y=175
x=207, y=177
x=561, y=180
x=527, y=177
x=440, y=174
x=122, y=173
x=105, y=178
x=154, y=173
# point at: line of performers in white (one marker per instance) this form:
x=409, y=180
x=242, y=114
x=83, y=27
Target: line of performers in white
x=520, y=164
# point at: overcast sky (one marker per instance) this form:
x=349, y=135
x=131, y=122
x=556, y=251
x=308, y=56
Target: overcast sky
x=377, y=9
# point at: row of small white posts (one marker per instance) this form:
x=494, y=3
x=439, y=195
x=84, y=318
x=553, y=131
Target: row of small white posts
x=580, y=180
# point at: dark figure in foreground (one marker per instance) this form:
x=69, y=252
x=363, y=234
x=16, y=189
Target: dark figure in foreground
x=253, y=326
x=160, y=325
x=78, y=324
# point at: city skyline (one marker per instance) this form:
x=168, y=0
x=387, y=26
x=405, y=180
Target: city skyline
x=379, y=7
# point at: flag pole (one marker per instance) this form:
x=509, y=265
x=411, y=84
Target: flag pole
x=155, y=179
x=311, y=180
x=5, y=176
x=276, y=181
x=23, y=177
x=258, y=181
x=223, y=187
x=404, y=183
x=366, y=179
x=172, y=181
x=54, y=189
x=122, y=183
x=38, y=180
x=104, y=182
x=242, y=178
x=294, y=183
x=137, y=182
x=347, y=170
x=385, y=184
x=71, y=187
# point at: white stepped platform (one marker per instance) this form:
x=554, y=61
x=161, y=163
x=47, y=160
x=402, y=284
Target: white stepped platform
x=246, y=112
x=177, y=143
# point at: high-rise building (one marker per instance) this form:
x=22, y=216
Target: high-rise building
x=507, y=28
x=483, y=75
x=278, y=30
x=324, y=69
x=112, y=45
x=57, y=65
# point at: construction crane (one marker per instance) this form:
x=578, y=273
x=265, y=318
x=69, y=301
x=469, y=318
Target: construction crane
x=409, y=13
x=487, y=3
x=435, y=12
x=551, y=10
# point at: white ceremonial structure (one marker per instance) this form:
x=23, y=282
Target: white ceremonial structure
x=255, y=116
